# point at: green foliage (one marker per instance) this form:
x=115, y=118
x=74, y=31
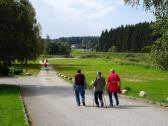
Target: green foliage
x=19, y=36
x=148, y=4
x=58, y=48
x=159, y=52
x=112, y=49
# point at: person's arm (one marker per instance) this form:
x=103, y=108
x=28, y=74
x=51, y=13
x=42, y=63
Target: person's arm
x=74, y=82
x=104, y=84
x=107, y=83
x=95, y=82
x=119, y=81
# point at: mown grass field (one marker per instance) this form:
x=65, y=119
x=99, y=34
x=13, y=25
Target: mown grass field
x=136, y=76
x=11, y=108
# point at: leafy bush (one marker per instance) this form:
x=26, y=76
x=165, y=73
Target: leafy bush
x=159, y=52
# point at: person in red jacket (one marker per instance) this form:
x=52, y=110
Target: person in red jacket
x=113, y=86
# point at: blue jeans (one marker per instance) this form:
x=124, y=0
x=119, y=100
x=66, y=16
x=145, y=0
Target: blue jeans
x=79, y=91
x=111, y=99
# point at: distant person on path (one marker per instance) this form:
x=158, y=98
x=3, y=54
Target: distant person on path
x=99, y=85
x=46, y=63
x=79, y=87
x=113, y=86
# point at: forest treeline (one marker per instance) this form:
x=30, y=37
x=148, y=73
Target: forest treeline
x=129, y=38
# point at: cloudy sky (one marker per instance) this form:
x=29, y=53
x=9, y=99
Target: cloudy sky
x=65, y=18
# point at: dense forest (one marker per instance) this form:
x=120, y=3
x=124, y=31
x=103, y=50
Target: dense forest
x=129, y=38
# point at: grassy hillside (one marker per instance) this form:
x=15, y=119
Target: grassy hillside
x=136, y=76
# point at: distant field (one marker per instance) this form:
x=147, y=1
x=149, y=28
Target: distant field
x=135, y=57
x=11, y=109
x=136, y=76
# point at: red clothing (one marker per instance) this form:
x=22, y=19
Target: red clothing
x=45, y=65
x=79, y=79
x=113, y=80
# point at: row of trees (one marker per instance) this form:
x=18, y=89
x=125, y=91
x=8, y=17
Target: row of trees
x=58, y=48
x=19, y=32
x=132, y=38
x=80, y=42
x=159, y=50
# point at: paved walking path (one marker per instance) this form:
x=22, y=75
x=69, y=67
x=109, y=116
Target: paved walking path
x=50, y=102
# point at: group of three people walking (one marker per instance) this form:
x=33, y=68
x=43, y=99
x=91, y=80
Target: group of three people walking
x=112, y=85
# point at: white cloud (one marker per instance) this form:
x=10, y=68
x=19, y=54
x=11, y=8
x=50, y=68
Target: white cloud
x=84, y=8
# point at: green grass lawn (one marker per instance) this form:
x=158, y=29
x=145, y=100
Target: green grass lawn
x=11, y=108
x=135, y=76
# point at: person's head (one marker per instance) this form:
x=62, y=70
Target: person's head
x=79, y=71
x=112, y=70
x=99, y=73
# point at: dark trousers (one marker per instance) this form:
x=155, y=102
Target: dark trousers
x=79, y=91
x=98, y=95
x=111, y=99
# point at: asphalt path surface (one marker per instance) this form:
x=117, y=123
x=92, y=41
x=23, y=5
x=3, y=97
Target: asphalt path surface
x=50, y=102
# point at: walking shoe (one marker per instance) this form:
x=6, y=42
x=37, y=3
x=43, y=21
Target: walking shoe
x=117, y=104
x=97, y=105
x=102, y=105
x=83, y=103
